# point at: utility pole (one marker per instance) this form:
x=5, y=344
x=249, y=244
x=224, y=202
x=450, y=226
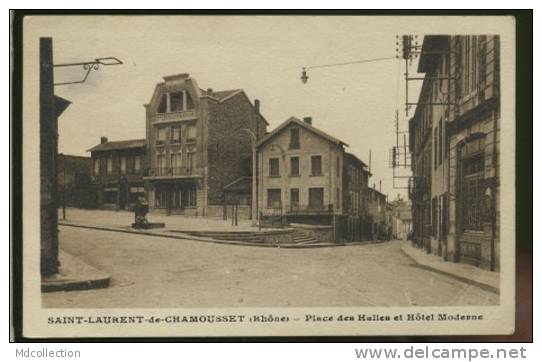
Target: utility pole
x=48, y=171
x=64, y=188
x=51, y=107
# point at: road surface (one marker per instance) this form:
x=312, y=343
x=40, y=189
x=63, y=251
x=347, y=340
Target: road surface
x=154, y=272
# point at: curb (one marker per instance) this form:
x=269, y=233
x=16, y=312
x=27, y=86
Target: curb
x=481, y=285
x=77, y=276
x=182, y=236
x=68, y=286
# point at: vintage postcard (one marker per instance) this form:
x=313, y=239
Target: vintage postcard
x=268, y=175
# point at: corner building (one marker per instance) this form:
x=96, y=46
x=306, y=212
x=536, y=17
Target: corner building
x=197, y=146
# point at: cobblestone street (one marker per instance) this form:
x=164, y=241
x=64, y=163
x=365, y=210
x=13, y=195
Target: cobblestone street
x=150, y=272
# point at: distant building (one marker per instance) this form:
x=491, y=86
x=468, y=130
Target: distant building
x=74, y=181
x=197, y=146
x=117, y=172
x=379, y=214
x=401, y=219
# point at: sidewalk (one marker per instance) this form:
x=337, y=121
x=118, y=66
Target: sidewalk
x=122, y=219
x=74, y=274
x=469, y=274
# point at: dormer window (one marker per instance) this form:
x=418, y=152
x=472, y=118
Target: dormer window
x=162, y=107
x=175, y=102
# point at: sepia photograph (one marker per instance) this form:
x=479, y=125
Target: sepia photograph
x=198, y=175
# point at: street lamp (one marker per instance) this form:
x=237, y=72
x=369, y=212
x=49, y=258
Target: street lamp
x=253, y=139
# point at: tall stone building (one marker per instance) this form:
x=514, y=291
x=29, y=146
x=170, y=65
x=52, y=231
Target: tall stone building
x=197, y=145
x=457, y=123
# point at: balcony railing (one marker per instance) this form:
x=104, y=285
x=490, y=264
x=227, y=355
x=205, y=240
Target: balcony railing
x=170, y=171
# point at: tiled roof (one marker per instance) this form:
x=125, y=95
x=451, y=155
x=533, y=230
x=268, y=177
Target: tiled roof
x=304, y=125
x=221, y=95
x=119, y=145
x=356, y=158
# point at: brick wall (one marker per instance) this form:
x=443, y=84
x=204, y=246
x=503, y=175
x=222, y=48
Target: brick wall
x=229, y=150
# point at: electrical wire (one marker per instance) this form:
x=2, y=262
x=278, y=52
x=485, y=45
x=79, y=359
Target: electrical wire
x=348, y=63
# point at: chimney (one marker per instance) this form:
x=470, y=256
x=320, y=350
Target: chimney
x=307, y=120
x=210, y=91
x=103, y=140
x=257, y=105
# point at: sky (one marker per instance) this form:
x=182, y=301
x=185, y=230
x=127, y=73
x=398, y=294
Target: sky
x=262, y=55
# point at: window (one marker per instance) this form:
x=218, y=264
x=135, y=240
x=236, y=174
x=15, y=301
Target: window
x=110, y=165
x=137, y=163
x=444, y=217
x=435, y=146
x=160, y=198
x=274, y=167
x=274, y=198
x=294, y=198
x=172, y=160
x=96, y=166
x=123, y=164
x=338, y=201
x=176, y=101
x=161, y=163
x=434, y=216
x=316, y=165
x=189, y=101
x=294, y=166
x=191, y=133
x=175, y=134
x=316, y=197
x=190, y=197
x=162, y=106
x=294, y=138
x=472, y=189
x=441, y=133
x=338, y=166
x=190, y=161
x=161, y=135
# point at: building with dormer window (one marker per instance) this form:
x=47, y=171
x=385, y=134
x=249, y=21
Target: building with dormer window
x=196, y=145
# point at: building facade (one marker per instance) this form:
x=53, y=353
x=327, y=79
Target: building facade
x=117, y=171
x=458, y=114
x=307, y=177
x=301, y=172
x=74, y=181
x=356, y=197
x=198, y=142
